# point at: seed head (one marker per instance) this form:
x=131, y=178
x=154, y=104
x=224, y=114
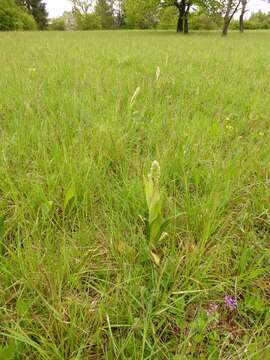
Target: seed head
x=163, y=236
x=155, y=172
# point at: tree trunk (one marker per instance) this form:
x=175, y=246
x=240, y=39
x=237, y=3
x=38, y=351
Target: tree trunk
x=241, y=19
x=181, y=15
x=180, y=24
x=187, y=8
x=225, y=27
x=230, y=12
x=241, y=23
x=183, y=8
x=227, y=18
x=186, y=25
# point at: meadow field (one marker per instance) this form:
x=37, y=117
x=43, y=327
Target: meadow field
x=82, y=117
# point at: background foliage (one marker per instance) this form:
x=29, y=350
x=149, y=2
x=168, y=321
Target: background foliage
x=117, y=14
x=13, y=17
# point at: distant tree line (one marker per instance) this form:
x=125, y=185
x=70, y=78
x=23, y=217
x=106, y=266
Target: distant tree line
x=200, y=20
x=181, y=15
x=161, y=14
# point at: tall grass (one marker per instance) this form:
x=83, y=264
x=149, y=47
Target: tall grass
x=77, y=137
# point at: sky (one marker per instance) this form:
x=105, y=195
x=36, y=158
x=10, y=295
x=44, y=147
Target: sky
x=57, y=7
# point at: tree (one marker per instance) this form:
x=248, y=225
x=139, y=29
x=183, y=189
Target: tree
x=241, y=18
x=82, y=6
x=144, y=13
x=88, y=21
x=140, y=13
x=70, y=20
x=14, y=17
x=225, y=8
x=58, y=24
x=259, y=20
x=38, y=9
x=167, y=16
x=118, y=12
x=183, y=8
x=104, y=9
x=229, y=8
x=200, y=20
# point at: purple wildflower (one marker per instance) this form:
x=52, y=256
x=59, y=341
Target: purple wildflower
x=230, y=302
x=212, y=309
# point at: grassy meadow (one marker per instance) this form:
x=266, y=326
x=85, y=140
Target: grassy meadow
x=82, y=117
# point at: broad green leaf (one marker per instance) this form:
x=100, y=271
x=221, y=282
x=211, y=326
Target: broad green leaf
x=164, y=224
x=155, y=208
x=7, y=352
x=148, y=186
x=70, y=195
x=155, y=229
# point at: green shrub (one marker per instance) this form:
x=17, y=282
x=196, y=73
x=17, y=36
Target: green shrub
x=257, y=21
x=202, y=21
x=197, y=20
x=13, y=17
x=140, y=14
x=168, y=18
x=58, y=24
x=27, y=20
x=88, y=22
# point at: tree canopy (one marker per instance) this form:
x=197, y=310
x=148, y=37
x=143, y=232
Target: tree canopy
x=82, y=6
x=140, y=13
x=14, y=17
x=38, y=10
x=104, y=9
